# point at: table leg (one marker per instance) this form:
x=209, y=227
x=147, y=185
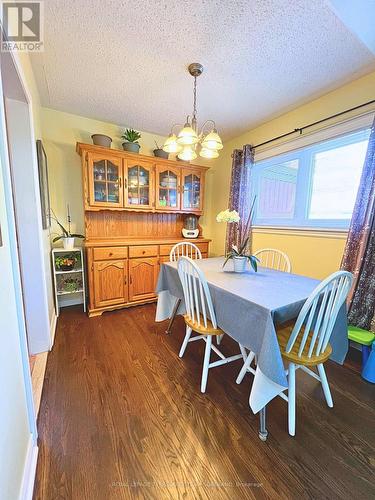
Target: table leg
x=263, y=433
x=173, y=316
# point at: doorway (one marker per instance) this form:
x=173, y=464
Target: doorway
x=32, y=242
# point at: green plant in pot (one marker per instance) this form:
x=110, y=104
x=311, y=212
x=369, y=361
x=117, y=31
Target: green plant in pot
x=71, y=285
x=131, y=138
x=65, y=262
x=160, y=153
x=66, y=235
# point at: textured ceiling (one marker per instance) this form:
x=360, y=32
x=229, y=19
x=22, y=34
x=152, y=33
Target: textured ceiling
x=125, y=62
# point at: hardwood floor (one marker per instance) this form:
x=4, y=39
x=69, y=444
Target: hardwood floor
x=122, y=417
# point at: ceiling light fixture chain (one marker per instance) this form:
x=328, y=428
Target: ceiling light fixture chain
x=194, y=119
x=188, y=140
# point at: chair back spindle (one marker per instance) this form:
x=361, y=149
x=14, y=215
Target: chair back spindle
x=318, y=315
x=184, y=249
x=198, y=302
x=274, y=259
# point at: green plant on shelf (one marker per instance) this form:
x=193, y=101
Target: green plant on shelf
x=131, y=135
x=71, y=285
x=65, y=262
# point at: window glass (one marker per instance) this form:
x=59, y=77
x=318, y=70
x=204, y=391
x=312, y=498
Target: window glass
x=315, y=186
x=277, y=191
x=335, y=181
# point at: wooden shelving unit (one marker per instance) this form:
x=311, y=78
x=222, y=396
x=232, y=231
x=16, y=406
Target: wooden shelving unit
x=63, y=297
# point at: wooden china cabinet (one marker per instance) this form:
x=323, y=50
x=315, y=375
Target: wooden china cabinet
x=135, y=207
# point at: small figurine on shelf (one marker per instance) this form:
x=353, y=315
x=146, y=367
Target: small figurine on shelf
x=67, y=236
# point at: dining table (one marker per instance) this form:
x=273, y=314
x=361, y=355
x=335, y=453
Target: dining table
x=249, y=306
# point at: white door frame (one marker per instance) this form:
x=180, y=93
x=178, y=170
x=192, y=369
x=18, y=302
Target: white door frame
x=22, y=163
x=4, y=164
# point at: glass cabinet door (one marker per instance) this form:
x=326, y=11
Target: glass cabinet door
x=105, y=175
x=191, y=190
x=167, y=188
x=138, y=185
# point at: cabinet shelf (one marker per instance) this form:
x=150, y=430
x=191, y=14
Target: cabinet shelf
x=69, y=293
x=68, y=272
x=181, y=184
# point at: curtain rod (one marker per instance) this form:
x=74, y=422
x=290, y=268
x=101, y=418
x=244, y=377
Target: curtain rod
x=301, y=129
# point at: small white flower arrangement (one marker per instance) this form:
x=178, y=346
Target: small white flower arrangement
x=242, y=236
x=228, y=216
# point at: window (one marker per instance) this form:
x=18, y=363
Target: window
x=312, y=187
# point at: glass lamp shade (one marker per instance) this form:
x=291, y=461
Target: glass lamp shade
x=208, y=153
x=187, y=154
x=187, y=136
x=212, y=141
x=171, y=145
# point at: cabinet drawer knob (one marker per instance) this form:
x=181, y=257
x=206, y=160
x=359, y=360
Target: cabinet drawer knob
x=110, y=254
x=144, y=251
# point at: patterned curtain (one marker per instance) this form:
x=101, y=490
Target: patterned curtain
x=239, y=195
x=359, y=254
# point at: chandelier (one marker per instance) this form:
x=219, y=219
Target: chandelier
x=189, y=142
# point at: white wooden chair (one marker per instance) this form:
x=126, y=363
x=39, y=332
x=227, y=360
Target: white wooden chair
x=187, y=249
x=200, y=316
x=306, y=344
x=274, y=259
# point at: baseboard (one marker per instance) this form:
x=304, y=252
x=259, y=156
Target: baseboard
x=37, y=379
x=53, y=324
x=29, y=471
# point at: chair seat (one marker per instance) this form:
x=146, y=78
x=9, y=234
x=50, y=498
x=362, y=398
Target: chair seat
x=209, y=330
x=283, y=334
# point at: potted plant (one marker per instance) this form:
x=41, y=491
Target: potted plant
x=131, y=137
x=66, y=235
x=71, y=285
x=101, y=140
x=239, y=252
x=159, y=152
x=65, y=262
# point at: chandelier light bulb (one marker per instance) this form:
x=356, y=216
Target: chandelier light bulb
x=187, y=136
x=212, y=141
x=208, y=153
x=187, y=154
x=171, y=145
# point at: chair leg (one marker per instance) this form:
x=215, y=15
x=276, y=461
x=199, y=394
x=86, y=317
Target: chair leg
x=206, y=362
x=292, y=399
x=246, y=365
x=325, y=385
x=243, y=352
x=185, y=342
x=219, y=338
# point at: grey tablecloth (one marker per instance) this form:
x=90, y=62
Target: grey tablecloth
x=249, y=305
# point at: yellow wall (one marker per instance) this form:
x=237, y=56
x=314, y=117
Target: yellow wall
x=313, y=256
